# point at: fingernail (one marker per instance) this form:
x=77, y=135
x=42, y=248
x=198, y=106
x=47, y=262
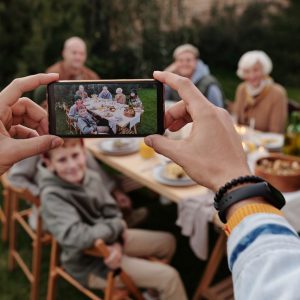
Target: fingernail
x=56, y=143
x=148, y=141
x=52, y=74
x=156, y=72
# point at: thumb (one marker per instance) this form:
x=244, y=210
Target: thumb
x=167, y=147
x=24, y=148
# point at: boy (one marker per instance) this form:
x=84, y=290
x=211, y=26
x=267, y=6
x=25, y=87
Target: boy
x=73, y=112
x=86, y=123
x=78, y=211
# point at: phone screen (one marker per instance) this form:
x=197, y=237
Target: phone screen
x=106, y=108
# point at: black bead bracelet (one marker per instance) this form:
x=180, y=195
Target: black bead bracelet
x=235, y=182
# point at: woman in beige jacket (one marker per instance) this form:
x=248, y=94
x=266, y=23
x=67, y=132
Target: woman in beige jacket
x=259, y=98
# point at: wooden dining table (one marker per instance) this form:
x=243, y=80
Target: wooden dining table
x=141, y=171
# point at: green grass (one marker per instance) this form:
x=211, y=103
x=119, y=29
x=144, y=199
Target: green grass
x=149, y=118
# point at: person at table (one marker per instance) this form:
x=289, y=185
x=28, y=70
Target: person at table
x=86, y=123
x=188, y=64
x=82, y=93
x=72, y=66
x=105, y=94
x=73, y=112
x=120, y=97
x=79, y=211
x=262, y=244
x=134, y=98
x=258, y=97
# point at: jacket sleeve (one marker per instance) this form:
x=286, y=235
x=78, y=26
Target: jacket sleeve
x=62, y=220
x=22, y=174
x=83, y=127
x=264, y=256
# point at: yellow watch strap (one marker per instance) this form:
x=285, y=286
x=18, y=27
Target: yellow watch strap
x=248, y=210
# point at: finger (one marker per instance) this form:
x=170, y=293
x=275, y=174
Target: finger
x=23, y=148
x=20, y=85
x=28, y=113
x=22, y=132
x=3, y=130
x=177, y=113
x=188, y=92
x=165, y=146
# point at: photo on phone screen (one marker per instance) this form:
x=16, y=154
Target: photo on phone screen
x=104, y=108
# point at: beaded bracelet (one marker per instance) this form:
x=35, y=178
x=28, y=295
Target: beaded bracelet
x=235, y=182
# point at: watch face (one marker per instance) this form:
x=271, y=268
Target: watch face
x=278, y=197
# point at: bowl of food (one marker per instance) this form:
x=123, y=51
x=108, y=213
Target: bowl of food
x=282, y=171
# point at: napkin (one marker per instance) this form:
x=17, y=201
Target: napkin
x=194, y=214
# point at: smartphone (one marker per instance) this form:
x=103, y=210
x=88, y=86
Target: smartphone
x=106, y=108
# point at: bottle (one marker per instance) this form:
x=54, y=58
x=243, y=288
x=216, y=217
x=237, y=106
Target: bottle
x=292, y=136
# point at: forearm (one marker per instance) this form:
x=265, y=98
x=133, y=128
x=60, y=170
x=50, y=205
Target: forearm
x=264, y=249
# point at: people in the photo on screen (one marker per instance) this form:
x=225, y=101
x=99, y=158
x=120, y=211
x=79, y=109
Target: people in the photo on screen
x=73, y=112
x=120, y=97
x=134, y=99
x=82, y=93
x=86, y=123
x=105, y=94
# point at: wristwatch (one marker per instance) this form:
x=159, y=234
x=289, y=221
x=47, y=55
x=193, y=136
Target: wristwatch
x=262, y=189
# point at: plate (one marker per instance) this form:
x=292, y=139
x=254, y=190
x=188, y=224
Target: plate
x=271, y=141
x=109, y=148
x=158, y=173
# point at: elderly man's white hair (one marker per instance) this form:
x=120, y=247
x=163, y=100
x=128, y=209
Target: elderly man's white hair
x=186, y=48
x=250, y=58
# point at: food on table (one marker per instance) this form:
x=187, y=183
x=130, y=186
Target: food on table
x=108, y=115
x=174, y=171
x=112, y=109
x=280, y=167
x=268, y=141
x=120, y=144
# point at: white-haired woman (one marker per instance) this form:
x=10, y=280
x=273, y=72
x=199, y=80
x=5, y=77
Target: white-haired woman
x=259, y=98
x=120, y=97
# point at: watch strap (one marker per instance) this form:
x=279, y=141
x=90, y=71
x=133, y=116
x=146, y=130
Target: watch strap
x=248, y=210
x=261, y=189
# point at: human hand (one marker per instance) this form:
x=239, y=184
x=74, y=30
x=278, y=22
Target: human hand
x=113, y=261
x=23, y=124
x=212, y=154
x=123, y=201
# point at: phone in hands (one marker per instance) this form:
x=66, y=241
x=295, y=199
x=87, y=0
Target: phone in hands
x=106, y=108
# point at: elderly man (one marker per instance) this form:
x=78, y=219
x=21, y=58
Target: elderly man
x=188, y=64
x=72, y=66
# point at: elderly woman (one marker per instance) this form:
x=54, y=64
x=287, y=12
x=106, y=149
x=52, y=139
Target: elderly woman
x=259, y=98
x=187, y=64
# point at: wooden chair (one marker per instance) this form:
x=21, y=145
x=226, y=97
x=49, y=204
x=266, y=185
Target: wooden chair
x=5, y=210
x=222, y=290
x=99, y=251
x=20, y=217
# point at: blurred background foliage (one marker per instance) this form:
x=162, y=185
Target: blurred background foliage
x=126, y=39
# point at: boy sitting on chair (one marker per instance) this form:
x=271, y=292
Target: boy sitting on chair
x=78, y=210
x=86, y=123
